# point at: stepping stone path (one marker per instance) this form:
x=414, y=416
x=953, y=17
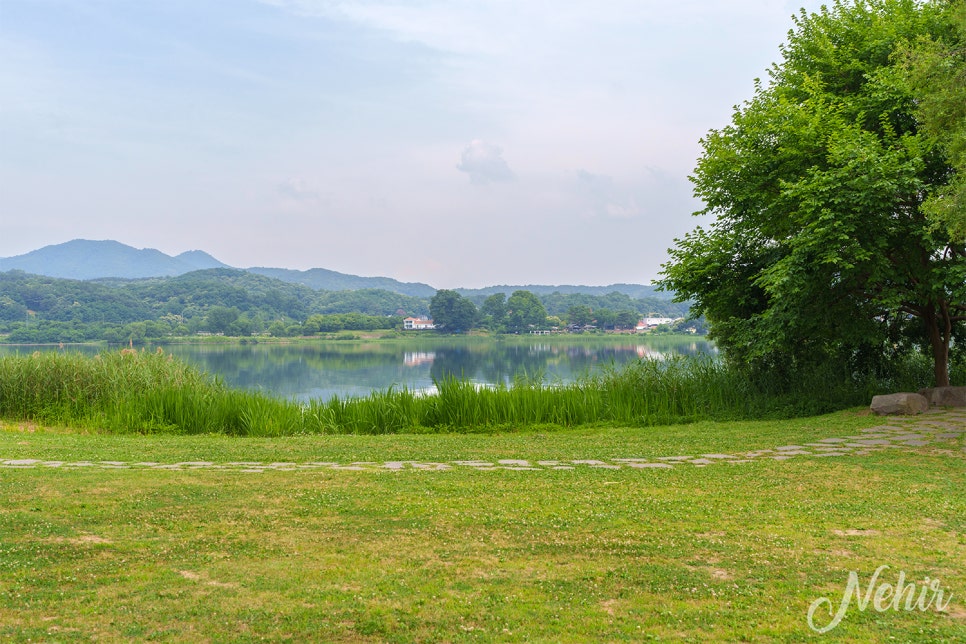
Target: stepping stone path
x=939, y=428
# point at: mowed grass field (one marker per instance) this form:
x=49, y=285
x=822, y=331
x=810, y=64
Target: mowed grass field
x=727, y=552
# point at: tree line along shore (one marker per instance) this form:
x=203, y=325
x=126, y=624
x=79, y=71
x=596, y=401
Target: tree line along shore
x=38, y=309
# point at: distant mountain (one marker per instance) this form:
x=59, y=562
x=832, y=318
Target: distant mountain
x=635, y=291
x=322, y=279
x=83, y=259
x=200, y=260
x=106, y=260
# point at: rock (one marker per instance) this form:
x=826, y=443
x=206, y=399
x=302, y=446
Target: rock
x=901, y=403
x=945, y=396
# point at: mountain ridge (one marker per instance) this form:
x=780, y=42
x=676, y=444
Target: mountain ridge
x=87, y=260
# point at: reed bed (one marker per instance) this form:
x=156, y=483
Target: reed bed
x=150, y=392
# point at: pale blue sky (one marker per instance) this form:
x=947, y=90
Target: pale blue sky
x=457, y=143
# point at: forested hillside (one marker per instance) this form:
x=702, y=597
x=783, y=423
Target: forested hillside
x=36, y=308
x=111, y=260
x=634, y=291
x=325, y=280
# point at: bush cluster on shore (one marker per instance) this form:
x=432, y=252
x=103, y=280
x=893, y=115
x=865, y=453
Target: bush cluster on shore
x=150, y=392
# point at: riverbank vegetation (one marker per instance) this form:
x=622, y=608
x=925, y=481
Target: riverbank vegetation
x=37, y=309
x=150, y=392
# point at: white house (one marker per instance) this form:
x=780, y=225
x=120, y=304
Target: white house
x=650, y=323
x=418, y=324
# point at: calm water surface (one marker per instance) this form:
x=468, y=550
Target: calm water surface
x=354, y=368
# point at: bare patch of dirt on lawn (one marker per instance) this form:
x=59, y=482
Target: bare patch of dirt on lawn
x=89, y=538
x=956, y=612
x=83, y=539
x=202, y=579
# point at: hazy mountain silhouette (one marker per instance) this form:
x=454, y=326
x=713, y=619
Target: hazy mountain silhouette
x=322, y=279
x=83, y=259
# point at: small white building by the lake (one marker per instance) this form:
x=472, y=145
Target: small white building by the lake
x=417, y=324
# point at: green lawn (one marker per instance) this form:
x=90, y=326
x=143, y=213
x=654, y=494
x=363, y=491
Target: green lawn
x=724, y=552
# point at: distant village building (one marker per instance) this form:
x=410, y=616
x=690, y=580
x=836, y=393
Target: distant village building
x=653, y=323
x=418, y=324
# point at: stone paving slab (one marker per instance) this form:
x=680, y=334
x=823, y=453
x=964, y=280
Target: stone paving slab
x=938, y=429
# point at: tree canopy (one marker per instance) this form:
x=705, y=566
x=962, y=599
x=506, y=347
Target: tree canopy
x=820, y=248
x=524, y=310
x=493, y=311
x=452, y=312
x=937, y=72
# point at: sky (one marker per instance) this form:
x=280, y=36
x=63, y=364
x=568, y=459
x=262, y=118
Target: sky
x=460, y=143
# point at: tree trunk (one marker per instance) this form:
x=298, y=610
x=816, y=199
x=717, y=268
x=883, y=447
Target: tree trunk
x=938, y=327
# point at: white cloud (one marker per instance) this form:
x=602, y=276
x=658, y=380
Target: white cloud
x=298, y=189
x=604, y=198
x=484, y=163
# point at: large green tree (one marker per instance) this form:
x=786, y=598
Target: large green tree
x=820, y=248
x=452, y=312
x=523, y=311
x=220, y=318
x=493, y=311
x=580, y=315
x=937, y=73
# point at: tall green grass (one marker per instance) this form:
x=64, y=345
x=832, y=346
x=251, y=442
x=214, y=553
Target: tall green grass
x=143, y=392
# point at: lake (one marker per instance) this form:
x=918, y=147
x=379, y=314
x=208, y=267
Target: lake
x=356, y=368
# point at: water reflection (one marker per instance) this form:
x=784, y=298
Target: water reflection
x=326, y=369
